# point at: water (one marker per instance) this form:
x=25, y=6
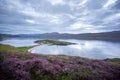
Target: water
x=19, y=42
x=83, y=48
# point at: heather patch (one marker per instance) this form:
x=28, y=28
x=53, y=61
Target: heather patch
x=37, y=67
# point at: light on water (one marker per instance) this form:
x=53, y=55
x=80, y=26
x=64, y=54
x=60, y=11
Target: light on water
x=83, y=48
x=89, y=49
x=19, y=42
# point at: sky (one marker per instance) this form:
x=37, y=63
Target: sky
x=63, y=16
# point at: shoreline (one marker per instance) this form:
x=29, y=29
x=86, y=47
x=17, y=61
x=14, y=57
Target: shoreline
x=28, y=49
x=16, y=62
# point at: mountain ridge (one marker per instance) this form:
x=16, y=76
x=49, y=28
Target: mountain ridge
x=112, y=36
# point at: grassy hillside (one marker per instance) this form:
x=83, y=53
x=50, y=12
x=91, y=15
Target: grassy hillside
x=16, y=65
x=9, y=48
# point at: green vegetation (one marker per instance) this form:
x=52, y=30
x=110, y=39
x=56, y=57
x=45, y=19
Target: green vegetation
x=53, y=42
x=115, y=61
x=9, y=48
x=26, y=48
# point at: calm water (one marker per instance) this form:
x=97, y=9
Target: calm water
x=83, y=48
x=19, y=42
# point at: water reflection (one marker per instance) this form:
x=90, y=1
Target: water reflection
x=84, y=48
x=19, y=42
x=90, y=49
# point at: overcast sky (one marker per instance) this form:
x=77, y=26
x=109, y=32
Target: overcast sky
x=64, y=16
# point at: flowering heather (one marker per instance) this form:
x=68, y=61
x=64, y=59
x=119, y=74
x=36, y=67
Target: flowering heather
x=35, y=67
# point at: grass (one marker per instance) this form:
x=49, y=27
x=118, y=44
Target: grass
x=26, y=48
x=115, y=61
x=53, y=42
x=9, y=48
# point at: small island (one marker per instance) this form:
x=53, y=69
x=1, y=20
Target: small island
x=53, y=42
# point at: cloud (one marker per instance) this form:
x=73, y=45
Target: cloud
x=109, y=3
x=36, y=16
x=30, y=21
x=56, y=2
x=79, y=25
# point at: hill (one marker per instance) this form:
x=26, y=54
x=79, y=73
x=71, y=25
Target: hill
x=110, y=36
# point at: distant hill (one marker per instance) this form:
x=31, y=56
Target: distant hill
x=112, y=36
x=6, y=36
